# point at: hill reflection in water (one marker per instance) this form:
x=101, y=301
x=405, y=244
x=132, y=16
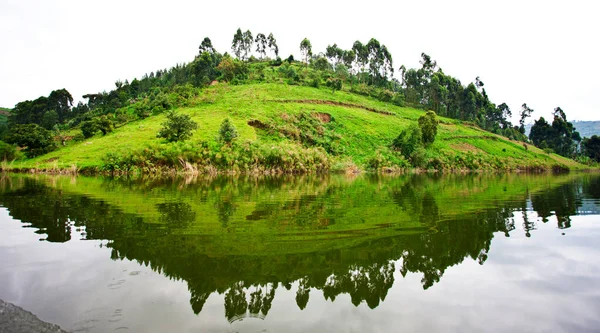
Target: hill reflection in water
x=246, y=237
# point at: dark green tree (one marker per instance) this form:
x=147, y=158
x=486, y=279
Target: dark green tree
x=49, y=119
x=178, y=127
x=237, y=45
x=247, y=41
x=428, y=123
x=35, y=139
x=408, y=140
x=261, y=44
x=89, y=128
x=272, y=43
x=524, y=114
x=362, y=55
x=60, y=101
x=334, y=54
x=206, y=46
x=591, y=147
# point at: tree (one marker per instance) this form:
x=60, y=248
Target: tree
x=178, y=127
x=334, y=54
x=89, y=128
x=428, y=123
x=247, y=42
x=49, y=119
x=61, y=102
x=334, y=83
x=272, y=43
x=306, y=49
x=230, y=67
x=237, y=45
x=524, y=114
x=362, y=55
x=206, y=46
x=227, y=132
x=104, y=124
x=591, y=147
x=560, y=136
x=261, y=45
x=348, y=58
x=35, y=138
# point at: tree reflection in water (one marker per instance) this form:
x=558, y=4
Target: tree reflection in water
x=312, y=238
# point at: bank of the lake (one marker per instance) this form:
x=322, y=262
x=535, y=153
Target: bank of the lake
x=291, y=129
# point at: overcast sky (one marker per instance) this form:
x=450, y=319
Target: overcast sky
x=539, y=52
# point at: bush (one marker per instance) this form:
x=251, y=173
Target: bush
x=178, y=127
x=227, y=132
x=37, y=139
x=334, y=84
x=428, y=124
x=88, y=128
x=7, y=152
x=408, y=141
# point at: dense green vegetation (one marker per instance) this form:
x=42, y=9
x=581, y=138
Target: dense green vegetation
x=342, y=109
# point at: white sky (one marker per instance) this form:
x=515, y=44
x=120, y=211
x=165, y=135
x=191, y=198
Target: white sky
x=539, y=52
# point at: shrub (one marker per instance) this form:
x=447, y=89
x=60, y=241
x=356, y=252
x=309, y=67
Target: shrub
x=334, y=84
x=408, y=141
x=178, y=127
x=227, y=132
x=88, y=128
x=37, y=139
x=428, y=124
x=7, y=151
x=418, y=158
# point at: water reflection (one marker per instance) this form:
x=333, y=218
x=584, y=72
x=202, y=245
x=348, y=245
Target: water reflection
x=246, y=237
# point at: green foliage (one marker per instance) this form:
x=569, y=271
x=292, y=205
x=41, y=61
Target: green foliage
x=561, y=136
x=227, y=132
x=104, y=124
x=35, y=138
x=246, y=156
x=408, y=141
x=178, y=127
x=306, y=50
x=231, y=68
x=7, y=152
x=49, y=119
x=89, y=128
x=591, y=147
x=428, y=123
x=334, y=84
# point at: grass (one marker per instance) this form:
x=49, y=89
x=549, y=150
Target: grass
x=357, y=133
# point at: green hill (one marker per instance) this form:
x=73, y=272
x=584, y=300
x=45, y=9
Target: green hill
x=292, y=128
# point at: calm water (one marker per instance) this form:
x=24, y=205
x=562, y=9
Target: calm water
x=475, y=253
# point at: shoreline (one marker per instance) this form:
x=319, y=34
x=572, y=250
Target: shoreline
x=15, y=319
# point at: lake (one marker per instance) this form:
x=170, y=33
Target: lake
x=335, y=253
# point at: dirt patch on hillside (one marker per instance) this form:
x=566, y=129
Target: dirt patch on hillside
x=325, y=102
x=467, y=147
x=324, y=117
x=258, y=124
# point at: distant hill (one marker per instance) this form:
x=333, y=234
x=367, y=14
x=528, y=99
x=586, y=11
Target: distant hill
x=585, y=128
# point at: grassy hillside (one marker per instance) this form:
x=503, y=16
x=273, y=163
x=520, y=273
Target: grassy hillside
x=288, y=123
